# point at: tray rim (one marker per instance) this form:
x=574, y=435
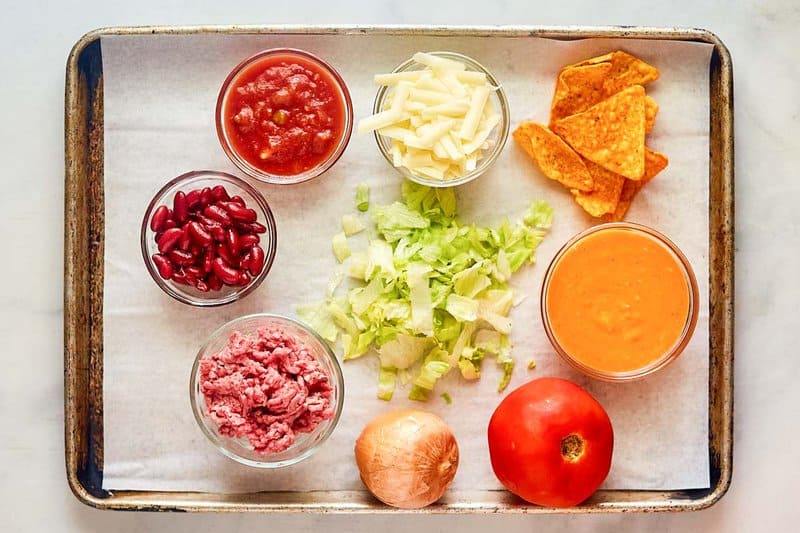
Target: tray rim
x=77, y=310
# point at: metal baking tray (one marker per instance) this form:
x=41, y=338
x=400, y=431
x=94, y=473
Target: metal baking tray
x=83, y=292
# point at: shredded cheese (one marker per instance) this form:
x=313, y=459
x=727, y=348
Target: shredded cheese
x=439, y=119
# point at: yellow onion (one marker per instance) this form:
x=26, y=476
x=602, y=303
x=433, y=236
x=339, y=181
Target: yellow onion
x=407, y=458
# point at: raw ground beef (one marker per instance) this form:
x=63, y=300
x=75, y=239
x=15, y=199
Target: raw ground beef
x=266, y=388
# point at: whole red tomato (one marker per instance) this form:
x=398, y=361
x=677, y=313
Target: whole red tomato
x=550, y=442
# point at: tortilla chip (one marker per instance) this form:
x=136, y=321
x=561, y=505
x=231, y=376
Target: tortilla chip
x=626, y=70
x=650, y=112
x=610, y=133
x=578, y=89
x=654, y=162
x=603, y=199
x=553, y=156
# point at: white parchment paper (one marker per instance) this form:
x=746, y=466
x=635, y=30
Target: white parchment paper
x=160, y=93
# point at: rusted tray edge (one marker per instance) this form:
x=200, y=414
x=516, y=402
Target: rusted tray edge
x=83, y=308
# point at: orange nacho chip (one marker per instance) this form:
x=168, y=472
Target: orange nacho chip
x=578, y=89
x=603, y=199
x=610, y=133
x=582, y=85
x=626, y=70
x=553, y=156
x=654, y=162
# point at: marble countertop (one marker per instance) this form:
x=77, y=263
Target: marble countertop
x=762, y=37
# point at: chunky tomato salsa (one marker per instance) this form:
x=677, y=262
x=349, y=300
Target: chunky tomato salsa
x=284, y=114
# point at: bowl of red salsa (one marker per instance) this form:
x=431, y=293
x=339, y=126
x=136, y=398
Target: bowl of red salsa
x=284, y=116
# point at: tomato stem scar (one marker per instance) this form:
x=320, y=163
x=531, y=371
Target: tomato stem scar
x=572, y=447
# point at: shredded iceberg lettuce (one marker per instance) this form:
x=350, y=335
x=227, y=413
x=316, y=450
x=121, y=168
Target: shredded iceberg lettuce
x=430, y=292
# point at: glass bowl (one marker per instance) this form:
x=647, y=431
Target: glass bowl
x=257, y=173
x=677, y=347
x=499, y=134
x=239, y=449
x=235, y=186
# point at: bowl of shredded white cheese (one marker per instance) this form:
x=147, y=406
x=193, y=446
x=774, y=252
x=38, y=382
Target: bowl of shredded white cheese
x=440, y=118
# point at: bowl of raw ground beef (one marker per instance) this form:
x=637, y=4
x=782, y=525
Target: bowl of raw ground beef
x=266, y=390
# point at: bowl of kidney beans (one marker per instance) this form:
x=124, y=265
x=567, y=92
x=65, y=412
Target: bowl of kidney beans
x=208, y=238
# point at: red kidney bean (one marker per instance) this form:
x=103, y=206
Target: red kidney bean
x=208, y=258
x=244, y=260
x=218, y=233
x=191, y=279
x=248, y=240
x=201, y=286
x=195, y=271
x=180, y=211
x=163, y=265
x=179, y=277
x=193, y=198
x=256, y=263
x=232, y=241
x=239, y=213
x=185, y=242
x=215, y=212
x=169, y=224
x=205, y=197
x=180, y=257
x=160, y=216
x=244, y=278
x=199, y=234
x=218, y=192
x=251, y=227
x=238, y=200
x=208, y=222
x=224, y=272
x=214, y=283
x=197, y=251
x=225, y=255
x=169, y=239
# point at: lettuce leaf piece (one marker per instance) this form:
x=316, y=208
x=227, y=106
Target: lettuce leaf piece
x=363, y=297
x=340, y=247
x=359, y=345
x=387, y=377
x=539, y=215
x=462, y=308
x=341, y=318
x=420, y=298
x=352, y=225
x=320, y=320
x=357, y=266
x=469, y=369
x=488, y=340
x=398, y=216
x=362, y=197
x=508, y=368
x=379, y=260
x=333, y=284
x=472, y=281
x=404, y=350
x=429, y=374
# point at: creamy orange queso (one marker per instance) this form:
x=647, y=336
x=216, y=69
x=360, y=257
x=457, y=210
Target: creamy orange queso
x=618, y=300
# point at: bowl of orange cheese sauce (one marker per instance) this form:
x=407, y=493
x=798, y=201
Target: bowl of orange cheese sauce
x=619, y=301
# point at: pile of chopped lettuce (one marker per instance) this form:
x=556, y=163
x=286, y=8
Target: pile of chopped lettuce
x=432, y=292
